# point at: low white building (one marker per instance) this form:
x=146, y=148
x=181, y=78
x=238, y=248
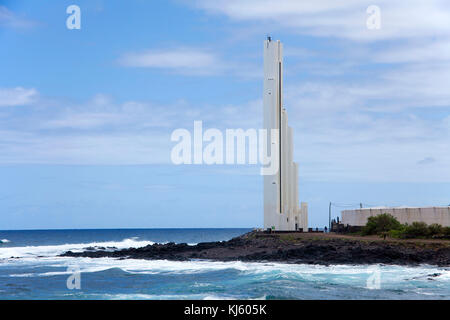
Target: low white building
x=429, y=215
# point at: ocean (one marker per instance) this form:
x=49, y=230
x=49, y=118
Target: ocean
x=31, y=269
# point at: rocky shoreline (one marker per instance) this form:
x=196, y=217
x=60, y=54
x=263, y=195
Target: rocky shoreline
x=288, y=248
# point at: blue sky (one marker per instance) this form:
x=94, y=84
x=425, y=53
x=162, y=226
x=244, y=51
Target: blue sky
x=86, y=115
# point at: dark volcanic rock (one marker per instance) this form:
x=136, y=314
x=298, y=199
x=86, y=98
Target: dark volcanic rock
x=261, y=247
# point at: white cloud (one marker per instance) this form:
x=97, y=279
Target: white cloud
x=11, y=97
x=189, y=61
x=432, y=51
x=426, y=161
x=86, y=149
x=409, y=87
x=361, y=110
x=85, y=120
x=183, y=60
x=10, y=19
x=360, y=147
x=343, y=19
x=336, y=137
x=101, y=131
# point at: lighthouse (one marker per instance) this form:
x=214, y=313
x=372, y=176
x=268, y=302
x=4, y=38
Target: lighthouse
x=282, y=210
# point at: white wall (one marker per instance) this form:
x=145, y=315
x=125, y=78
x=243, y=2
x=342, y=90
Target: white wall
x=440, y=215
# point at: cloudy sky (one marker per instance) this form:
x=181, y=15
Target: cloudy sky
x=86, y=115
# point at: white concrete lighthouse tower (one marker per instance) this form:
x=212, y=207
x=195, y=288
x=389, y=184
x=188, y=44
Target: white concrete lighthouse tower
x=282, y=211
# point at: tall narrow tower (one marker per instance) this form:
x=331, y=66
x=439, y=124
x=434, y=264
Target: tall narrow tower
x=281, y=205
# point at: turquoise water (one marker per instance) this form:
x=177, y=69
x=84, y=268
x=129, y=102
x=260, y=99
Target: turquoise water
x=31, y=269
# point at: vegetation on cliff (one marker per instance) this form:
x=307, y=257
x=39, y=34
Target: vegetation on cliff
x=386, y=224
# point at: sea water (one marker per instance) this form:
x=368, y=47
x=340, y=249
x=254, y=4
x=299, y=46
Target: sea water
x=31, y=269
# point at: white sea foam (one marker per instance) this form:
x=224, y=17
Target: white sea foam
x=354, y=275
x=4, y=241
x=221, y=297
x=23, y=275
x=408, y=278
x=54, y=250
x=142, y=296
x=290, y=277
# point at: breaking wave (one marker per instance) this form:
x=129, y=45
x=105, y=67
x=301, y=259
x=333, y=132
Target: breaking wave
x=54, y=250
x=207, y=279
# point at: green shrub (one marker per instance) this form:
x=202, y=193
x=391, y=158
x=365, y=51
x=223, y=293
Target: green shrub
x=435, y=229
x=398, y=233
x=381, y=223
x=447, y=231
x=387, y=225
x=416, y=230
